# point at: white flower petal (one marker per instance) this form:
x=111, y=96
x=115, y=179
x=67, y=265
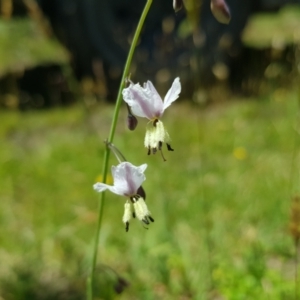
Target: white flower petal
x=100, y=187
x=138, y=100
x=138, y=176
x=142, y=168
x=128, y=178
x=144, y=101
x=173, y=93
x=157, y=102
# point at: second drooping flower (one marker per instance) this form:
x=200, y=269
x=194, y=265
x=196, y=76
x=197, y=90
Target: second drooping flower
x=145, y=102
x=127, y=182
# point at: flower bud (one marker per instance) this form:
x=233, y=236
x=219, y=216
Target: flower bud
x=221, y=11
x=177, y=5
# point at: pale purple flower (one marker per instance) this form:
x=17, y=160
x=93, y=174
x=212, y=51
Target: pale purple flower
x=145, y=102
x=220, y=10
x=127, y=181
x=177, y=5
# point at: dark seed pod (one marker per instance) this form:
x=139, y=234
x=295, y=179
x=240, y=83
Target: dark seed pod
x=141, y=192
x=131, y=119
x=131, y=122
x=177, y=5
x=220, y=10
x=120, y=285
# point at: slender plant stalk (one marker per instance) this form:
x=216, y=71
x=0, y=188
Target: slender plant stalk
x=90, y=280
x=296, y=268
x=293, y=164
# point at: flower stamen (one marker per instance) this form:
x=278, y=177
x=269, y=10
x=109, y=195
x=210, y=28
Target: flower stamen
x=162, y=155
x=155, y=122
x=169, y=147
x=141, y=210
x=146, y=221
x=159, y=145
x=156, y=135
x=127, y=215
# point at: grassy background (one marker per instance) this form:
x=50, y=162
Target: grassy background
x=221, y=204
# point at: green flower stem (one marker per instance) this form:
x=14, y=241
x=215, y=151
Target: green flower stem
x=90, y=280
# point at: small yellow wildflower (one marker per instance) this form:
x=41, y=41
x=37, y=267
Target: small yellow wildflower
x=109, y=179
x=240, y=153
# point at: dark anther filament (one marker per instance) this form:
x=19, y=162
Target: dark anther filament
x=127, y=226
x=169, y=147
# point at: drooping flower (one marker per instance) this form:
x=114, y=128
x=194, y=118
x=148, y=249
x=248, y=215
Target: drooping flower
x=177, y=5
x=127, y=181
x=221, y=11
x=145, y=102
x=120, y=157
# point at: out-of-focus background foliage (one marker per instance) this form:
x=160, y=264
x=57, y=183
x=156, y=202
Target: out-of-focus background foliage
x=226, y=201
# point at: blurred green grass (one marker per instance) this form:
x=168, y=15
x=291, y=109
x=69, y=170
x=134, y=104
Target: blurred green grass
x=221, y=202
x=30, y=47
x=275, y=30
